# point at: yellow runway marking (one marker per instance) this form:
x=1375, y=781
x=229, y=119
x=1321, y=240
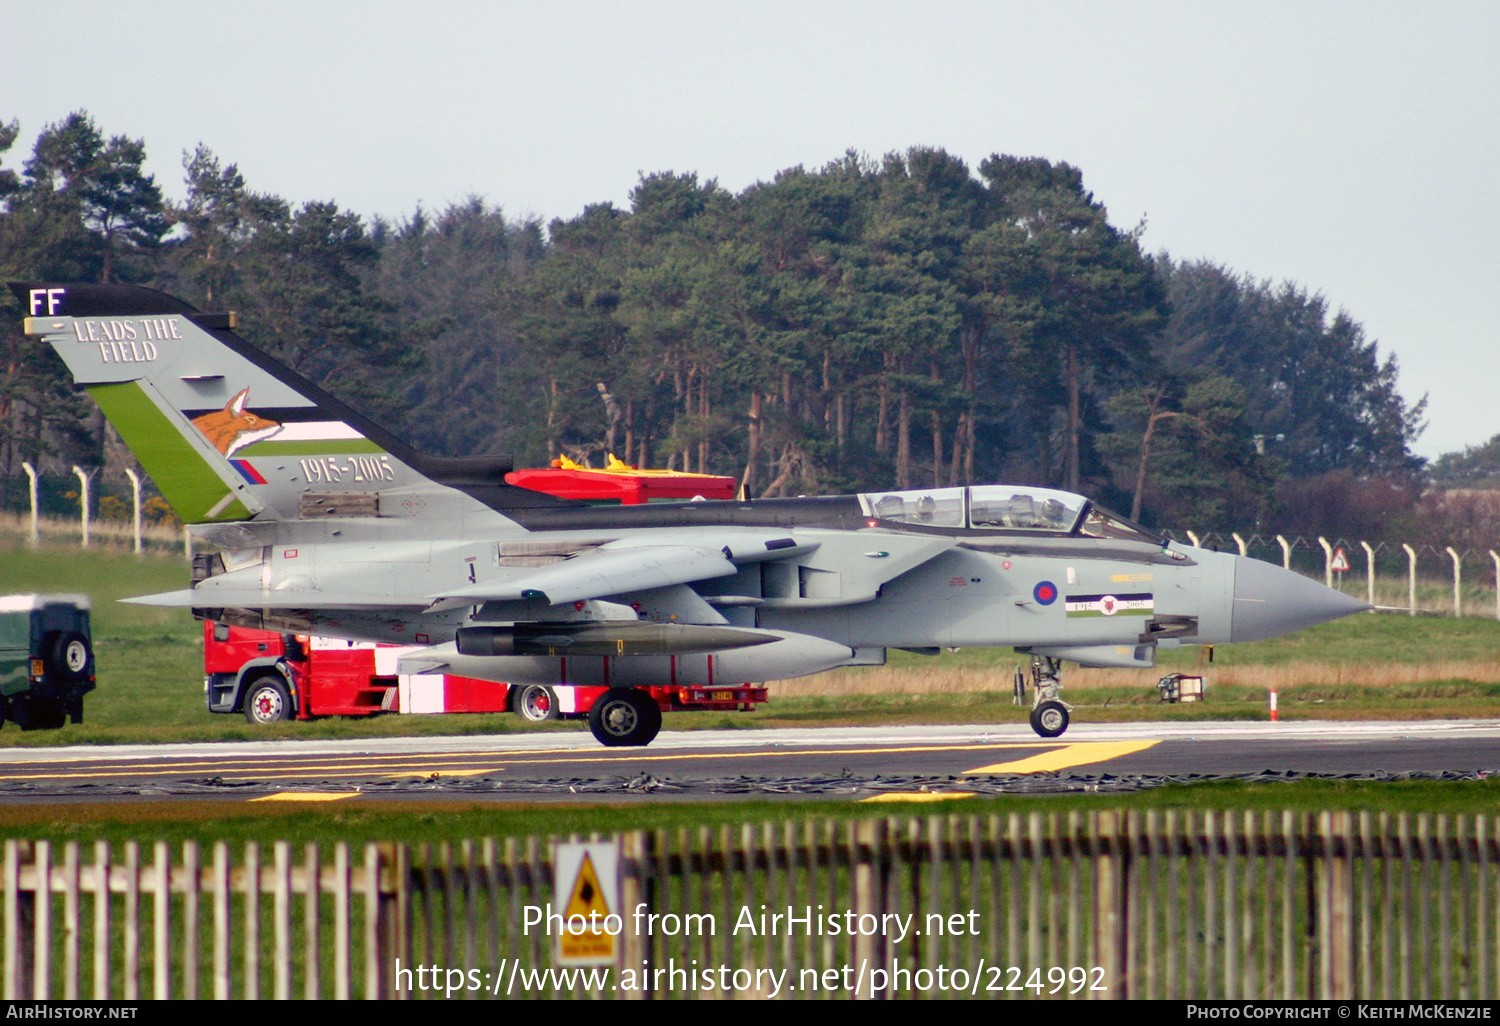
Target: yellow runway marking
x=307, y=796
x=917, y=796
x=1082, y=753
x=418, y=774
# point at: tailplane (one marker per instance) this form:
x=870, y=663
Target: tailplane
x=231, y=435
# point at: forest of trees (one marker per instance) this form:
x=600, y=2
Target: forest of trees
x=903, y=322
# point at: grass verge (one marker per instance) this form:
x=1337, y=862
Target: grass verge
x=361, y=820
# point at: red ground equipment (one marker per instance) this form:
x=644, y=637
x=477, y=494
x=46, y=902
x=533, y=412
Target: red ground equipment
x=271, y=676
x=621, y=482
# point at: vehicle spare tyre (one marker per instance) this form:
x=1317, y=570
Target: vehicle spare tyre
x=66, y=655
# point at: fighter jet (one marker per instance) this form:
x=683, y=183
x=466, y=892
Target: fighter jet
x=325, y=523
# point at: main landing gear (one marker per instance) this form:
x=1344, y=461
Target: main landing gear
x=625, y=717
x=1049, y=713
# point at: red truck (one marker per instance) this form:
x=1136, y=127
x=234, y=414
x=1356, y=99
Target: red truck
x=270, y=676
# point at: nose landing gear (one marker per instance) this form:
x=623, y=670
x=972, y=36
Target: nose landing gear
x=1049, y=713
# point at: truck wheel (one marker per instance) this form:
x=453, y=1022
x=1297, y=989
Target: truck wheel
x=1049, y=719
x=537, y=703
x=66, y=655
x=625, y=717
x=267, y=701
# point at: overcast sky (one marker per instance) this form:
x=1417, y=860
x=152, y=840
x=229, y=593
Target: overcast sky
x=1350, y=147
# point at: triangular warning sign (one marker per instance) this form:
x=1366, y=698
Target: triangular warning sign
x=1340, y=561
x=586, y=883
x=587, y=895
x=586, y=938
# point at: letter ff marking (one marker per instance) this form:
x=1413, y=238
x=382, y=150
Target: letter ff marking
x=53, y=297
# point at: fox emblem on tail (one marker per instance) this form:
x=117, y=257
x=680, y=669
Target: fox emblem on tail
x=232, y=428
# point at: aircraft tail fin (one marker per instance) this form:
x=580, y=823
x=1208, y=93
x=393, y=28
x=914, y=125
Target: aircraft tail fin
x=230, y=434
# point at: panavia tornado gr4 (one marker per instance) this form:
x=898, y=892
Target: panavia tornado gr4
x=327, y=524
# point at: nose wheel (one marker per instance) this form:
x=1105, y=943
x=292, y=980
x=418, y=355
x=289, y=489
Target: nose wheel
x=1049, y=719
x=1049, y=713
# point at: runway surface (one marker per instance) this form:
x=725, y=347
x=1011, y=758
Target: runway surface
x=824, y=763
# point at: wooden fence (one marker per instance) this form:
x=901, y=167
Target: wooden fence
x=1149, y=904
x=187, y=944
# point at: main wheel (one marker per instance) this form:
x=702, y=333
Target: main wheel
x=537, y=703
x=1049, y=719
x=66, y=654
x=267, y=701
x=625, y=717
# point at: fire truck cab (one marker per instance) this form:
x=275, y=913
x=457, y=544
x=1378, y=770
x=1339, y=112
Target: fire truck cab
x=271, y=677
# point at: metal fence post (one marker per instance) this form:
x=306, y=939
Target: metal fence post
x=1411, y=579
x=1369, y=573
x=1458, y=609
x=83, y=502
x=35, y=538
x=1327, y=561
x=135, y=506
x=1286, y=552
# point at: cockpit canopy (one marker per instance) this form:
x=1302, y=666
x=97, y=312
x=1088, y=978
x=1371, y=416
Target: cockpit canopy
x=1002, y=508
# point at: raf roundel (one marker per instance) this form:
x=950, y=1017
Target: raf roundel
x=1045, y=593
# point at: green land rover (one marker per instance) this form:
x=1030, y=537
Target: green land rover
x=46, y=659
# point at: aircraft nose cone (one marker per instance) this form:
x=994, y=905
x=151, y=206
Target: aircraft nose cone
x=1270, y=601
